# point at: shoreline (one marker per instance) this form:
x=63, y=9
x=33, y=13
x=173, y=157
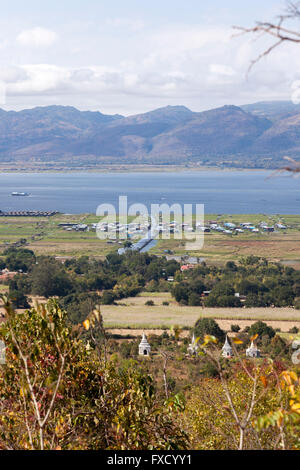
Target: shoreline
x=132, y=169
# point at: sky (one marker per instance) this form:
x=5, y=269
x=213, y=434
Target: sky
x=132, y=56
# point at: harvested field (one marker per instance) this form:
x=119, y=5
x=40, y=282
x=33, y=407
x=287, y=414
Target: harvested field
x=134, y=313
x=284, y=326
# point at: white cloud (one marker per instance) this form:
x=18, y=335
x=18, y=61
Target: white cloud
x=37, y=37
x=220, y=69
x=134, y=25
x=198, y=67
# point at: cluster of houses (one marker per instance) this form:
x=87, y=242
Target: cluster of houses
x=230, y=228
x=131, y=229
x=135, y=230
x=193, y=348
x=71, y=227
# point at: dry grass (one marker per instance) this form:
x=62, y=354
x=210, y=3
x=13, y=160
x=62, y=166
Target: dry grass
x=134, y=313
x=284, y=326
x=92, y=248
x=273, y=246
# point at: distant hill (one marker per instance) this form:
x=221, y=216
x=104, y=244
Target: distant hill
x=272, y=110
x=255, y=135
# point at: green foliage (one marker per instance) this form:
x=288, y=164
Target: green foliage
x=294, y=330
x=108, y=298
x=261, y=329
x=79, y=305
x=48, y=278
x=235, y=328
x=18, y=299
x=262, y=282
x=211, y=422
x=208, y=326
x=19, y=259
x=58, y=392
x=194, y=299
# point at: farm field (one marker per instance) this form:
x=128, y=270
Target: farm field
x=282, y=246
x=43, y=235
x=133, y=313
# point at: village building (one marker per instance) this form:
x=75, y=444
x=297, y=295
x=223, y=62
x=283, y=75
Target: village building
x=186, y=267
x=6, y=275
x=144, y=347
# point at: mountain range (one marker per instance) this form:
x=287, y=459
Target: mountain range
x=254, y=136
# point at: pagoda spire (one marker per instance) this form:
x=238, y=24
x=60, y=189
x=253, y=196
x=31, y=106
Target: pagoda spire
x=227, y=349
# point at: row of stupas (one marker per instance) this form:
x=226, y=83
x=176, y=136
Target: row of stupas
x=227, y=350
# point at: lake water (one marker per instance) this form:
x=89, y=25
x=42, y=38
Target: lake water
x=226, y=192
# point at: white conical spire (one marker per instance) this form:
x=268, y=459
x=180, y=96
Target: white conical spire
x=227, y=349
x=253, y=351
x=2, y=352
x=193, y=346
x=144, y=347
x=226, y=344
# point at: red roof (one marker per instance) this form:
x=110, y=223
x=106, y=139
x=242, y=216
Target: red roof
x=184, y=267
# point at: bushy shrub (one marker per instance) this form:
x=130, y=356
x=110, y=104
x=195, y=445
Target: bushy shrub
x=208, y=326
x=261, y=329
x=294, y=330
x=235, y=328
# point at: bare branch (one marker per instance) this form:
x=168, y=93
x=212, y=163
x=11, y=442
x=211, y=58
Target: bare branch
x=281, y=33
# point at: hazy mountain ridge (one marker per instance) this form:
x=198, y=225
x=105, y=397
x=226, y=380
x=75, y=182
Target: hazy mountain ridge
x=251, y=135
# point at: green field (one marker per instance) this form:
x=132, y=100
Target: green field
x=283, y=246
x=43, y=235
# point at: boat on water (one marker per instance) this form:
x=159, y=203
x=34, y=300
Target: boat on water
x=16, y=193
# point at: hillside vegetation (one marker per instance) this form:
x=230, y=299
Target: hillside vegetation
x=253, y=136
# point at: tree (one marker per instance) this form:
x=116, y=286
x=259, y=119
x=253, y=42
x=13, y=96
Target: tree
x=261, y=329
x=59, y=392
x=222, y=295
x=37, y=348
x=18, y=299
x=49, y=278
x=219, y=414
x=231, y=266
x=180, y=292
x=231, y=411
x=108, y=298
x=194, y=299
x=19, y=259
x=235, y=328
x=208, y=326
x=79, y=305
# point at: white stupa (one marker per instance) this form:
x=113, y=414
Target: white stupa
x=193, y=346
x=144, y=347
x=2, y=352
x=227, y=349
x=252, y=351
